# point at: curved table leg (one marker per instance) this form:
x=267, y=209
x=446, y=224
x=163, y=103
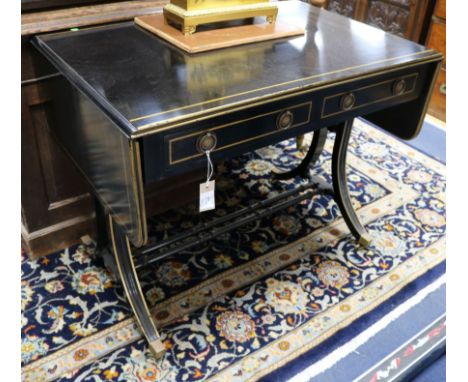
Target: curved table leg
x=129, y=279
x=315, y=149
x=340, y=185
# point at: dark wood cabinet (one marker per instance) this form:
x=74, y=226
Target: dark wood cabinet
x=436, y=40
x=36, y=5
x=348, y=8
x=405, y=18
x=56, y=208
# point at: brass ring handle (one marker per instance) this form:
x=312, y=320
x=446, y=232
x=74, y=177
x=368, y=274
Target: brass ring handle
x=206, y=142
x=285, y=120
x=399, y=87
x=347, y=101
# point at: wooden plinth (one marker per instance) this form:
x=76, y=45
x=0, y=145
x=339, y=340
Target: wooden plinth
x=218, y=38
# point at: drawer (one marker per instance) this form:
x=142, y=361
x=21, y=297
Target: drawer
x=358, y=98
x=181, y=148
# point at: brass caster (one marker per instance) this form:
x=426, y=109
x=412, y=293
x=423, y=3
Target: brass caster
x=300, y=145
x=365, y=240
x=157, y=348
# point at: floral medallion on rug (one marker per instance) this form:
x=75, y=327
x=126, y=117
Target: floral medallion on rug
x=252, y=300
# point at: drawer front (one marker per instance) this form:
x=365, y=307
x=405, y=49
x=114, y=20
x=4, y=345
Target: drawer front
x=178, y=150
x=184, y=147
x=360, y=97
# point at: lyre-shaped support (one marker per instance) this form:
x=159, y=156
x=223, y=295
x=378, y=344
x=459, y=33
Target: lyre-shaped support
x=340, y=185
x=123, y=257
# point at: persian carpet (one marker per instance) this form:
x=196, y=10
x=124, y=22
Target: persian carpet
x=255, y=299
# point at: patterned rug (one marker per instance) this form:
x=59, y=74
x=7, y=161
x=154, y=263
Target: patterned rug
x=251, y=301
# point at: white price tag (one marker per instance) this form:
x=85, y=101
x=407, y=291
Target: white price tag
x=207, y=196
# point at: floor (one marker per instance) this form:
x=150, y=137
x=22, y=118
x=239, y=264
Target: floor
x=434, y=373
x=432, y=141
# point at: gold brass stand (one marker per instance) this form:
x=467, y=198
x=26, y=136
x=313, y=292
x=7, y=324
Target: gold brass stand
x=188, y=14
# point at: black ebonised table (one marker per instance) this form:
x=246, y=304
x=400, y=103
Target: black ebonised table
x=132, y=110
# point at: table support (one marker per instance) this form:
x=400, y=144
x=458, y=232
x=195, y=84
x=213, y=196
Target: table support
x=340, y=185
x=316, y=147
x=210, y=230
x=129, y=278
x=124, y=259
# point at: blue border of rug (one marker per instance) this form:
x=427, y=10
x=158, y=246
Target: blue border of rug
x=421, y=327
x=434, y=372
x=431, y=141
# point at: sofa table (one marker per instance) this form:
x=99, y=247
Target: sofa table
x=133, y=110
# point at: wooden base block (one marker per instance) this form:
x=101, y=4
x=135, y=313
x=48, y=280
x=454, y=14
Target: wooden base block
x=219, y=38
x=57, y=237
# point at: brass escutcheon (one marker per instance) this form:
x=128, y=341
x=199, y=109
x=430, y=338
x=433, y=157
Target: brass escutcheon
x=347, y=101
x=285, y=120
x=399, y=87
x=206, y=142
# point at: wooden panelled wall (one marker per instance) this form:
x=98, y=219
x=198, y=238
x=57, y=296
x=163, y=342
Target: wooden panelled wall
x=405, y=18
x=436, y=40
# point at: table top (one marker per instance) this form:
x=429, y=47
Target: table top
x=145, y=84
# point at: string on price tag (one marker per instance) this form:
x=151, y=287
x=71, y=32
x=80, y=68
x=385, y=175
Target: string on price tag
x=207, y=189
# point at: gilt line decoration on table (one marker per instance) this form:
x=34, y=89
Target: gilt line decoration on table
x=239, y=307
